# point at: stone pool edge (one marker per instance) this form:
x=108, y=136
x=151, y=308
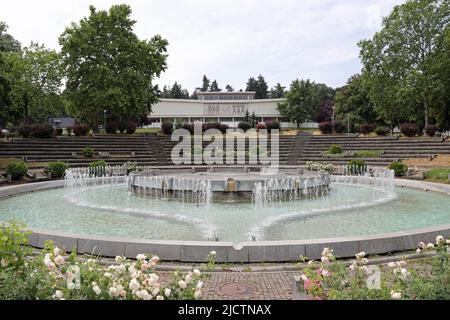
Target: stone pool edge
x=244, y=252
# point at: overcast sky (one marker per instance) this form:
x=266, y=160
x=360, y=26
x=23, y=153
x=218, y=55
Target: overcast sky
x=228, y=40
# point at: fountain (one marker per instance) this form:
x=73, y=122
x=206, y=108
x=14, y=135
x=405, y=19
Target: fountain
x=221, y=184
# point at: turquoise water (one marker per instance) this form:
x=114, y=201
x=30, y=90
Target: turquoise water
x=113, y=211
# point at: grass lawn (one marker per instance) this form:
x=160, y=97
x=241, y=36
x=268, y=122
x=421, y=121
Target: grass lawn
x=368, y=153
x=438, y=174
x=143, y=130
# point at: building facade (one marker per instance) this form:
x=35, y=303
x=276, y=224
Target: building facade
x=225, y=107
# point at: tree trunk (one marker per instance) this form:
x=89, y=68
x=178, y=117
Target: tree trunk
x=426, y=114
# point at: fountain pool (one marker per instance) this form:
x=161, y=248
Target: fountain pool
x=353, y=206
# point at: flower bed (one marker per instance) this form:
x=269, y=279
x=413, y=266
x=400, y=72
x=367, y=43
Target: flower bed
x=60, y=276
x=331, y=279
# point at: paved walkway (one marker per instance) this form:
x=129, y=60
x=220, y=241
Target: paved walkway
x=249, y=285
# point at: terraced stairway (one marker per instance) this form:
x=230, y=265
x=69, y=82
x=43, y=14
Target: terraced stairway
x=156, y=150
x=392, y=147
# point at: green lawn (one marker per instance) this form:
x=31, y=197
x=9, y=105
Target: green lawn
x=368, y=153
x=144, y=130
x=438, y=174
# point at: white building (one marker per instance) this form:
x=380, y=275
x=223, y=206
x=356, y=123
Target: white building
x=225, y=107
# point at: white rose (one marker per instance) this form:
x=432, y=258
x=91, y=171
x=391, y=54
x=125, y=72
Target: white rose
x=97, y=290
x=396, y=295
x=167, y=292
x=121, y=269
x=430, y=246
x=197, y=294
x=58, y=295
x=419, y=250
x=159, y=298
x=144, y=266
x=303, y=277
x=47, y=259
x=364, y=261
x=119, y=259
x=134, y=285
x=360, y=255
x=155, y=291
x=56, y=251
x=422, y=245
x=51, y=266
x=154, y=260
x=188, y=278
x=213, y=253
x=113, y=292
x=108, y=275
x=440, y=239
x=132, y=269
x=140, y=257
x=4, y=263
x=199, y=285
x=391, y=264
x=182, y=284
x=196, y=272
x=59, y=260
x=310, y=262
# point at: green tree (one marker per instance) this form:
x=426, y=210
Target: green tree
x=277, y=92
x=395, y=60
x=7, y=41
x=108, y=67
x=301, y=102
x=36, y=80
x=205, y=84
x=6, y=115
x=353, y=102
x=215, y=87
x=229, y=88
x=259, y=86
x=175, y=92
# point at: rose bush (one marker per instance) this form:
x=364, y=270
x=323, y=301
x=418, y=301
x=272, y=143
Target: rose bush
x=57, y=275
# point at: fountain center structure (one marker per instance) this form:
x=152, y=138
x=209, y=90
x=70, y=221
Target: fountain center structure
x=236, y=184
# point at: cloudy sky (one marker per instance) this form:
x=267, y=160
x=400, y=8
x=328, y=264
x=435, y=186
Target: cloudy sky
x=228, y=40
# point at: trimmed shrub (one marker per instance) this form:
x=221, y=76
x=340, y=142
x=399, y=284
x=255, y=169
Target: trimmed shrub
x=42, y=130
x=326, y=127
x=211, y=125
x=57, y=169
x=189, y=127
x=273, y=125
x=366, y=128
x=97, y=168
x=335, y=149
x=381, y=131
x=112, y=126
x=339, y=127
x=88, y=152
x=399, y=168
x=409, y=129
x=98, y=163
x=244, y=126
x=431, y=129
x=356, y=166
x=122, y=127
x=131, y=128
x=24, y=130
x=59, y=132
x=167, y=127
x=17, y=169
x=80, y=130
x=223, y=128
x=261, y=126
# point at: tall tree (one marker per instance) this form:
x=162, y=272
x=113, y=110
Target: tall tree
x=175, y=92
x=395, y=60
x=353, y=102
x=215, y=87
x=108, y=67
x=301, y=102
x=205, y=84
x=277, y=92
x=36, y=80
x=6, y=114
x=7, y=41
x=259, y=86
x=229, y=88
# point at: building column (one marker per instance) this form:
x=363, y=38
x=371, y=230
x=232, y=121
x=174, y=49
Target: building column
x=189, y=120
